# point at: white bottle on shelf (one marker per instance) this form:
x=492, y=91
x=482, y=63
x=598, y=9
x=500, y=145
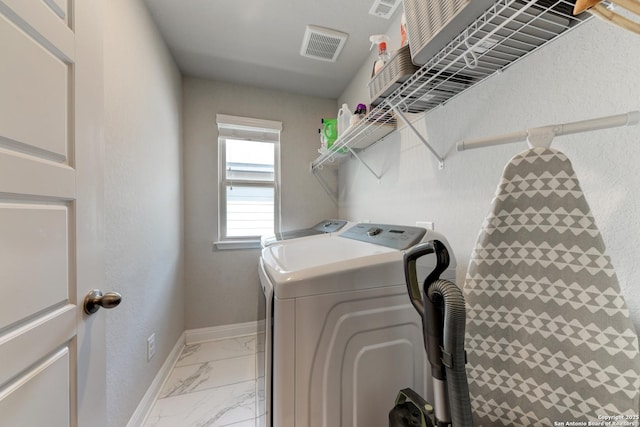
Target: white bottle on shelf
x=344, y=120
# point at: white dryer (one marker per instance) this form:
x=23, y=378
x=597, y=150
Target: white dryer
x=321, y=230
x=341, y=334
x=323, y=227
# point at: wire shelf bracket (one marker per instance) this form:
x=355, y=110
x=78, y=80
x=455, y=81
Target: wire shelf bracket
x=420, y=137
x=323, y=183
x=365, y=164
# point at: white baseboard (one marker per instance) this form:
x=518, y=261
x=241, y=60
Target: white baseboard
x=144, y=407
x=190, y=336
x=193, y=336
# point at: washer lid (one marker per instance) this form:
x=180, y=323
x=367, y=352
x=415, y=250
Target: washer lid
x=327, y=266
x=325, y=253
x=303, y=261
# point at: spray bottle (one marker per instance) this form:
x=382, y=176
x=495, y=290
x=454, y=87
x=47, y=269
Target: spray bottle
x=383, y=56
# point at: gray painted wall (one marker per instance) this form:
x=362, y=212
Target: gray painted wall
x=588, y=73
x=222, y=287
x=143, y=203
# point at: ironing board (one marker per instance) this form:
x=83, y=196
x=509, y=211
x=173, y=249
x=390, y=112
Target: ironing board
x=549, y=338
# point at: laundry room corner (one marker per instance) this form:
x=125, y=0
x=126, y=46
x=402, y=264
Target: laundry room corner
x=222, y=286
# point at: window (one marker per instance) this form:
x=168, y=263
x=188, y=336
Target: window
x=248, y=199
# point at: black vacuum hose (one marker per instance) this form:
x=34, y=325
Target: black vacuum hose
x=446, y=294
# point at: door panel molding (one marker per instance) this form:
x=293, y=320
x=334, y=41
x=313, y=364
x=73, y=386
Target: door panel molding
x=38, y=20
x=51, y=330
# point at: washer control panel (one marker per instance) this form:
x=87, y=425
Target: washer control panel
x=393, y=236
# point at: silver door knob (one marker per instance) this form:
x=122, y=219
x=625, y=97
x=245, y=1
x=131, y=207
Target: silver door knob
x=95, y=299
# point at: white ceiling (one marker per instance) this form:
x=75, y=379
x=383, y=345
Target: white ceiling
x=257, y=42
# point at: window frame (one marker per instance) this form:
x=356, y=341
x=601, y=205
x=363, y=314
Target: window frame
x=248, y=129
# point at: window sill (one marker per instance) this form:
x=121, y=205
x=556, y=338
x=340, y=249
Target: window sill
x=225, y=245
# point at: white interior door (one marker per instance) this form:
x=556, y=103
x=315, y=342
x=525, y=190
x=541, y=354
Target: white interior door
x=52, y=369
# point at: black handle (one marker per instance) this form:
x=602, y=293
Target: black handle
x=442, y=263
x=431, y=311
x=411, y=275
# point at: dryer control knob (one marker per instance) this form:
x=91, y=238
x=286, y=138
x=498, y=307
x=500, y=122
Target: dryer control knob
x=374, y=231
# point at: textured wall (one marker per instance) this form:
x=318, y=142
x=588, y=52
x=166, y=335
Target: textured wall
x=590, y=72
x=222, y=287
x=143, y=203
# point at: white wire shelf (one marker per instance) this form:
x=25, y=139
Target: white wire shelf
x=505, y=33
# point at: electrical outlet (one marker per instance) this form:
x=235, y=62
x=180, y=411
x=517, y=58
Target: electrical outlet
x=429, y=225
x=151, y=346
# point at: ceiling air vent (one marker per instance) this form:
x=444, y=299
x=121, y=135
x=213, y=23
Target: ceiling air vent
x=384, y=8
x=322, y=43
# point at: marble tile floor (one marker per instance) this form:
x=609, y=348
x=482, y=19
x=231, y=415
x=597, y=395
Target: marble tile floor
x=212, y=384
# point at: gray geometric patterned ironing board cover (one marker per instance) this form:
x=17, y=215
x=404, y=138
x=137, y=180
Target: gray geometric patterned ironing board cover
x=549, y=339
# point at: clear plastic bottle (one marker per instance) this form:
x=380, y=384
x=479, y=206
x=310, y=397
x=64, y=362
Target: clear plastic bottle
x=383, y=55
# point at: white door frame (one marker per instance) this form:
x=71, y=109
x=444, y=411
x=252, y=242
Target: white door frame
x=89, y=129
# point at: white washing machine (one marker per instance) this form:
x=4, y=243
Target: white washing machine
x=341, y=334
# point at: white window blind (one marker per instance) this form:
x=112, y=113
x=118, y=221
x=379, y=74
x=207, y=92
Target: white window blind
x=248, y=180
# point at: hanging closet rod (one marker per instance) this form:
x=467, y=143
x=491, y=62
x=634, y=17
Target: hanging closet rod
x=542, y=136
